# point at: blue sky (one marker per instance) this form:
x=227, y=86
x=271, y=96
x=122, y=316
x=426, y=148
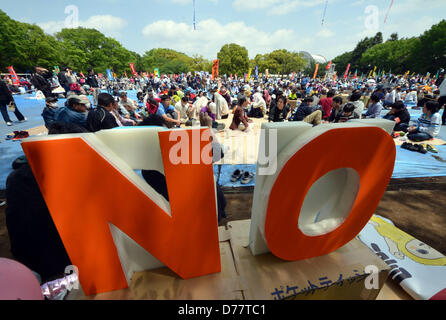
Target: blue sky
x=259, y=25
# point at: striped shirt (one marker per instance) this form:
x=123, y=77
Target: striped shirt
x=431, y=125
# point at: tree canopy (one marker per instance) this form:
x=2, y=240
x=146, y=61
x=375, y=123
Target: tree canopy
x=24, y=46
x=233, y=59
x=426, y=53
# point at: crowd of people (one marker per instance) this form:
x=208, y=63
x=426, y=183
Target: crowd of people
x=196, y=100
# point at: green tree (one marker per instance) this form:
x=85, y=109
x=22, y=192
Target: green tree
x=429, y=54
x=394, y=55
x=163, y=60
x=85, y=48
x=25, y=46
x=233, y=59
x=393, y=37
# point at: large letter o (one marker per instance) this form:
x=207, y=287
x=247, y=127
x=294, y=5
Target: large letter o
x=370, y=151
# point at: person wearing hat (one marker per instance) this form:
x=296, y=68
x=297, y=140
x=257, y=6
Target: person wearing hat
x=49, y=112
x=75, y=111
x=127, y=106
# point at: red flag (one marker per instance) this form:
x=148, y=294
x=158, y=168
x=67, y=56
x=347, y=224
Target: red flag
x=132, y=66
x=14, y=78
x=125, y=72
x=215, y=69
x=346, y=71
x=315, y=71
x=328, y=66
x=100, y=75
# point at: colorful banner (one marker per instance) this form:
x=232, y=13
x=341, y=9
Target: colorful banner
x=125, y=72
x=335, y=76
x=315, y=71
x=57, y=69
x=157, y=72
x=215, y=67
x=14, y=78
x=346, y=71
x=356, y=74
x=328, y=66
x=257, y=72
x=132, y=67
x=110, y=75
x=267, y=73
x=374, y=72
x=249, y=74
x=100, y=75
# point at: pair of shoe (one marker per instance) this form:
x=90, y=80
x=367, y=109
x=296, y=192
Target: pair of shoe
x=398, y=134
x=245, y=176
x=414, y=147
x=18, y=135
x=429, y=148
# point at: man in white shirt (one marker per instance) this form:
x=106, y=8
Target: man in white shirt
x=389, y=98
x=222, y=104
x=185, y=109
x=411, y=97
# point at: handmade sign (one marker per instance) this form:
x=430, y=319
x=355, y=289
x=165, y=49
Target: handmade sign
x=416, y=267
x=326, y=183
x=313, y=198
x=90, y=188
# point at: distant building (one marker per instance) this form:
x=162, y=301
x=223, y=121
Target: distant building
x=313, y=58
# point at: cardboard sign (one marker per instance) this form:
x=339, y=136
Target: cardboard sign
x=100, y=205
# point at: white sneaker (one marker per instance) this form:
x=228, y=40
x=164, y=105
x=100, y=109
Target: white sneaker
x=9, y=123
x=24, y=120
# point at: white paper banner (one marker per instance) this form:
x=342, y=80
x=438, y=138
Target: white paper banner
x=419, y=269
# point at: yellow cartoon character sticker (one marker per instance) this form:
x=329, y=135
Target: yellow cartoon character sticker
x=403, y=245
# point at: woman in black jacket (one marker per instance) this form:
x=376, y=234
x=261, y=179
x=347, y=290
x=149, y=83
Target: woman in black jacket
x=5, y=99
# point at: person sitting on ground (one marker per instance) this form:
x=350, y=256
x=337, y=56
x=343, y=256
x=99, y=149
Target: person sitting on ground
x=225, y=94
x=221, y=103
x=185, y=109
x=429, y=124
x=49, y=112
x=411, y=97
x=258, y=109
x=168, y=112
x=389, y=98
x=326, y=104
x=375, y=108
x=101, y=118
x=306, y=113
x=128, y=107
x=347, y=114
x=75, y=111
x=241, y=121
x=336, y=108
x=400, y=115
x=359, y=105
x=280, y=111
x=35, y=241
x=293, y=94
x=120, y=120
x=442, y=104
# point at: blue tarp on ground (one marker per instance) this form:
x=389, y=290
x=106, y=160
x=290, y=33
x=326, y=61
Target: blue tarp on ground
x=408, y=164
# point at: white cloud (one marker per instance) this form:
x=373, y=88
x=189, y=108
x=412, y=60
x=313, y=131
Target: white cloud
x=276, y=7
x=211, y=35
x=325, y=33
x=107, y=24
x=184, y=2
